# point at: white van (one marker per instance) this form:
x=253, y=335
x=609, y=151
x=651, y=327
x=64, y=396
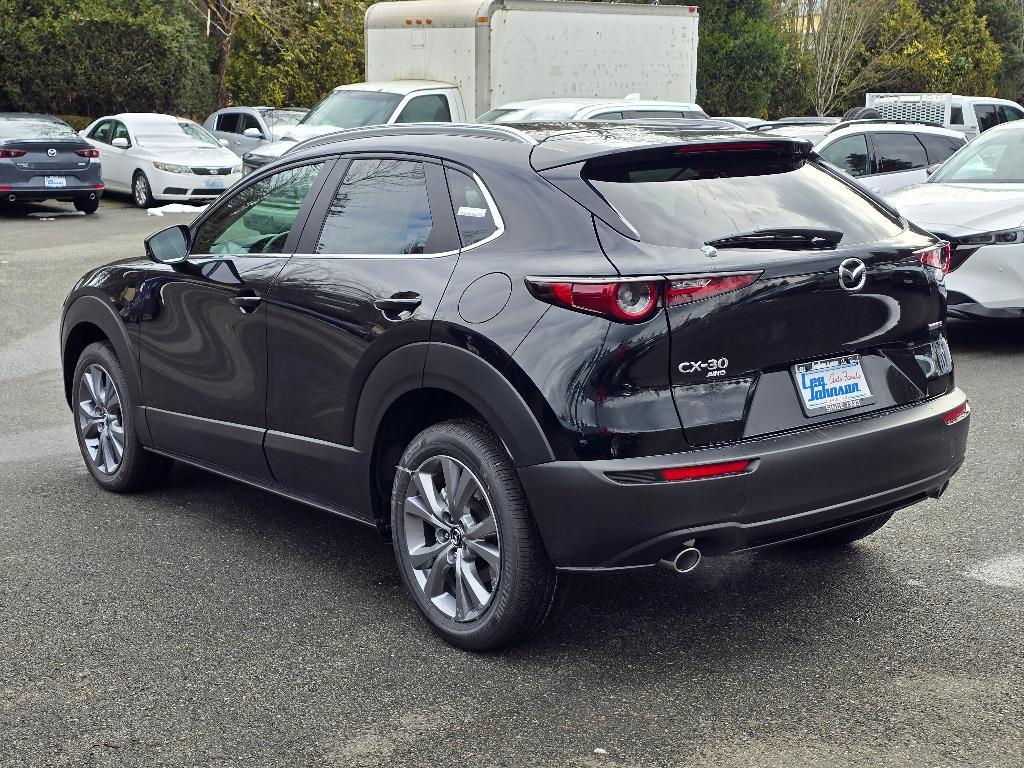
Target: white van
x=968, y=114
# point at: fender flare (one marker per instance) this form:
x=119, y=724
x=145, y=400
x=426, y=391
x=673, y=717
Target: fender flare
x=464, y=374
x=98, y=312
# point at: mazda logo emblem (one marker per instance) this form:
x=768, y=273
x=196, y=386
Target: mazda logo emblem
x=51, y=152
x=853, y=273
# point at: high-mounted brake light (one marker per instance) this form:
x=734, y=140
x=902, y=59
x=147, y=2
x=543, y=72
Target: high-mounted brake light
x=703, y=471
x=683, y=290
x=958, y=414
x=936, y=256
x=9, y=153
x=87, y=152
x=733, y=146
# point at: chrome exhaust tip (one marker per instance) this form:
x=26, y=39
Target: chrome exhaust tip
x=684, y=562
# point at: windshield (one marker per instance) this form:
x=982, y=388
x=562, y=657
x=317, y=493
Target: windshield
x=28, y=128
x=179, y=132
x=352, y=109
x=275, y=117
x=538, y=113
x=995, y=157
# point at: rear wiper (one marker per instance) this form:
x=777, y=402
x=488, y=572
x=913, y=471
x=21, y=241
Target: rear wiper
x=788, y=238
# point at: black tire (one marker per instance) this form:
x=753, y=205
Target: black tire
x=526, y=584
x=845, y=536
x=137, y=468
x=142, y=193
x=87, y=206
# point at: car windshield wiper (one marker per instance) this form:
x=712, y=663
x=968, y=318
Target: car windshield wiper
x=788, y=238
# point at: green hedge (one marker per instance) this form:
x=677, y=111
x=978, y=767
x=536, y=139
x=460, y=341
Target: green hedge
x=96, y=58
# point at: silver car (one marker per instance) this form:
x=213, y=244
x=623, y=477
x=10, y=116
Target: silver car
x=42, y=158
x=246, y=128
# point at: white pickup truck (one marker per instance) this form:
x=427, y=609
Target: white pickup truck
x=451, y=60
x=970, y=115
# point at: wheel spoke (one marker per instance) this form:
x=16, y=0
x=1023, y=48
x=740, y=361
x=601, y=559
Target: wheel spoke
x=472, y=581
x=88, y=408
x=428, y=492
x=463, y=491
x=117, y=445
x=488, y=552
x=435, y=585
x=482, y=530
x=90, y=384
x=416, y=507
x=421, y=558
x=117, y=430
x=109, y=456
x=462, y=599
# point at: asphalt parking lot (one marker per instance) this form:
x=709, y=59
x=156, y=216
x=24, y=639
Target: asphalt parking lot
x=209, y=624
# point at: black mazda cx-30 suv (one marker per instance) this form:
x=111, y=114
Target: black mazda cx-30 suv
x=517, y=351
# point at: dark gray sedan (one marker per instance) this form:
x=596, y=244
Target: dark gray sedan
x=42, y=158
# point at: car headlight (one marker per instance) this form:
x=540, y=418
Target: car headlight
x=236, y=168
x=1002, y=237
x=171, y=168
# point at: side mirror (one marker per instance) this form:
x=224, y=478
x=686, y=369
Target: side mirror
x=223, y=142
x=931, y=169
x=253, y=133
x=120, y=142
x=169, y=246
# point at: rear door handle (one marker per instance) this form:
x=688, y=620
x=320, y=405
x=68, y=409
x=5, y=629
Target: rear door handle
x=246, y=301
x=400, y=302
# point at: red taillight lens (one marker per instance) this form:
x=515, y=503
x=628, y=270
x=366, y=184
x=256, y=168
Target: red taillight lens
x=627, y=301
x=683, y=290
x=936, y=256
x=706, y=470
x=9, y=153
x=87, y=152
x=958, y=414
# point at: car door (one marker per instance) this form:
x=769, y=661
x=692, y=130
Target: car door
x=425, y=108
x=119, y=163
x=899, y=161
x=203, y=339
x=226, y=126
x=367, y=277
x=241, y=143
x=99, y=137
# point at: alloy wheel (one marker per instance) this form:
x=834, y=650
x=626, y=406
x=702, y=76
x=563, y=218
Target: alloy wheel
x=100, y=419
x=141, y=191
x=451, y=537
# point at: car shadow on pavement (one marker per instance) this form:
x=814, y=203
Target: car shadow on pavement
x=1006, y=336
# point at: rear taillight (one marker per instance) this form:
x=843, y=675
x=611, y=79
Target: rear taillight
x=87, y=152
x=936, y=256
x=633, y=300
x=958, y=414
x=9, y=153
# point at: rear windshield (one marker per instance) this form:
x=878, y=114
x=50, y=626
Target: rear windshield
x=30, y=128
x=687, y=200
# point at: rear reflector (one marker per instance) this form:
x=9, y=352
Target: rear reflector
x=683, y=290
x=9, y=153
x=705, y=471
x=958, y=414
x=936, y=256
x=99, y=186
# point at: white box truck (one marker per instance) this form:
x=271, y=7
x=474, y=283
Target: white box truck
x=453, y=60
x=499, y=51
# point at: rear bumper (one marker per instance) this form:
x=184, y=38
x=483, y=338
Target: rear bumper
x=39, y=194
x=801, y=483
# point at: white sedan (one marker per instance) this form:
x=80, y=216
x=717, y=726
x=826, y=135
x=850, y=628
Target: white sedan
x=975, y=200
x=162, y=158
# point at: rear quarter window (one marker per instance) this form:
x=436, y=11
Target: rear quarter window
x=687, y=200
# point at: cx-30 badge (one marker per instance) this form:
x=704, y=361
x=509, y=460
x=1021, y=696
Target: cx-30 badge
x=853, y=273
x=51, y=152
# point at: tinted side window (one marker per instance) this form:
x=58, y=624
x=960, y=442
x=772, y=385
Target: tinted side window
x=1010, y=113
x=956, y=115
x=121, y=132
x=473, y=215
x=607, y=116
x=643, y=114
x=939, y=148
x=432, y=108
x=248, y=121
x=988, y=116
x=257, y=218
x=102, y=132
x=898, y=152
x=228, y=122
x=849, y=153
x=380, y=207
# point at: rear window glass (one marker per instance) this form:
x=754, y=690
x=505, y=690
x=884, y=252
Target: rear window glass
x=687, y=200
x=27, y=128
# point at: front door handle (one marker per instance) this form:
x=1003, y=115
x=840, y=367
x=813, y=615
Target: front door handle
x=398, y=303
x=246, y=301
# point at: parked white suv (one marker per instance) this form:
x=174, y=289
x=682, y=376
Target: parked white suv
x=544, y=110
x=883, y=155
x=970, y=115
